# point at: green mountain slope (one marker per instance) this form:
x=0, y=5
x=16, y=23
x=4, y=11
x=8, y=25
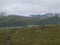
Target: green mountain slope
x=12, y=21
x=50, y=20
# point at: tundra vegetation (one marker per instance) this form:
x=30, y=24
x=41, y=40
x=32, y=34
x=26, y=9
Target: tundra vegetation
x=36, y=35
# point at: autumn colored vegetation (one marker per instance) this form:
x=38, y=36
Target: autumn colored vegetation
x=40, y=35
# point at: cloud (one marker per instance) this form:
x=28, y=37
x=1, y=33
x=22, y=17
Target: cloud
x=27, y=7
x=23, y=8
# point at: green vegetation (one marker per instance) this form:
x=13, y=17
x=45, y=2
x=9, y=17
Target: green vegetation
x=41, y=35
x=13, y=21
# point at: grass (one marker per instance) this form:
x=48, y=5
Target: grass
x=41, y=35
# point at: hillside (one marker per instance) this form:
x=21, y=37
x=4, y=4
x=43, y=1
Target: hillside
x=14, y=20
x=50, y=20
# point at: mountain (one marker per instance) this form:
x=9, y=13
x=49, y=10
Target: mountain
x=50, y=20
x=46, y=19
x=15, y=20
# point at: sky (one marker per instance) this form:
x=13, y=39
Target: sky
x=27, y=7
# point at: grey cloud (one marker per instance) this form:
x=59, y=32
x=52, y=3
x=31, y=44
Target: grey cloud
x=30, y=6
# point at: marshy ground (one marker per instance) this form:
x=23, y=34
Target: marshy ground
x=41, y=35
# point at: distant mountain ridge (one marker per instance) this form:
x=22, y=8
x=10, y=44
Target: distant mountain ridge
x=15, y=20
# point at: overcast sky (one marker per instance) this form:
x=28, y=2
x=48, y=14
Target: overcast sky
x=27, y=7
